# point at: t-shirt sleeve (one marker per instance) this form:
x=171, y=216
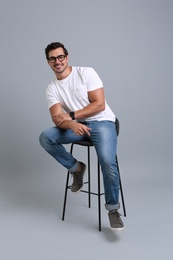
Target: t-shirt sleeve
x=92, y=80
x=51, y=97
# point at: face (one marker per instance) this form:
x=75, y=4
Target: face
x=60, y=68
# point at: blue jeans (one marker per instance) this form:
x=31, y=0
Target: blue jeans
x=104, y=138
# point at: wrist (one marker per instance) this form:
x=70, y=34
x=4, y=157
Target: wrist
x=72, y=115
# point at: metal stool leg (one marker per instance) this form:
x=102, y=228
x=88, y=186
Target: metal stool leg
x=66, y=188
x=121, y=189
x=65, y=196
x=99, y=196
x=89, y=183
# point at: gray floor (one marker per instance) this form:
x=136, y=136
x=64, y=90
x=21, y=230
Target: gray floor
x=31, y=227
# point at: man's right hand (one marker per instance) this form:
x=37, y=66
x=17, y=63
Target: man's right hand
x=80, y=129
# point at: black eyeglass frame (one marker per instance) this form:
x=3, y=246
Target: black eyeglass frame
x=60, y=57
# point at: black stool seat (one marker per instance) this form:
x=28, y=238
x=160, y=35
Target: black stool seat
x=84, y=143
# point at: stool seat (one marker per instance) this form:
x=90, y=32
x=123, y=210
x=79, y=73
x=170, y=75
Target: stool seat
x=84, y=143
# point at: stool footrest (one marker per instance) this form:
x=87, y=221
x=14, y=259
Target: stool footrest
x=93, y=193
x=86, y=191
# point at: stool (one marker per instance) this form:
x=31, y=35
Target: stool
x=89, y=144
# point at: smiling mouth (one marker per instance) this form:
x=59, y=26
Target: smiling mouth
x=58, y=67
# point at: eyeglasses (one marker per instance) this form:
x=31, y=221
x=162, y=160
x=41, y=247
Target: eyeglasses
x=59, y=57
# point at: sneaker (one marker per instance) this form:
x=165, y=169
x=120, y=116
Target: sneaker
x=78, y=178
x=115, y=220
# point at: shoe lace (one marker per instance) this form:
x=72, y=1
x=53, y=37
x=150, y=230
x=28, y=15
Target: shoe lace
x=116, y=213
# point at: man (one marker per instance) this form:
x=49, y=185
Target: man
x=79, y=111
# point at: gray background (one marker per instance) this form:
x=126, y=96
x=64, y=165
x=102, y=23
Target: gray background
x=129, y=44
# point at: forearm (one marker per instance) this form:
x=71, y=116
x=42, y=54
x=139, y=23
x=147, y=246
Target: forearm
x=64, y=120
x=96, y=105
x=66, y=124
x=90, y=110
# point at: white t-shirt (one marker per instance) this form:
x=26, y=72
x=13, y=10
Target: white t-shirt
x=72, y=92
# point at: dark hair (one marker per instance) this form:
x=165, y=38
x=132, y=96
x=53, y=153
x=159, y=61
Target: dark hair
x=53, y=46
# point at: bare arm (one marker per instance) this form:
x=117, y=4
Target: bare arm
x=97, y=99
x=57, y=113
x=63, y=120
x=97, y=104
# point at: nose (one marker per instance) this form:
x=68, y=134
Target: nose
x=56, y=60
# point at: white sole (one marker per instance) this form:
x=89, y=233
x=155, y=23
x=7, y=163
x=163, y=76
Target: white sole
x=118, y=229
